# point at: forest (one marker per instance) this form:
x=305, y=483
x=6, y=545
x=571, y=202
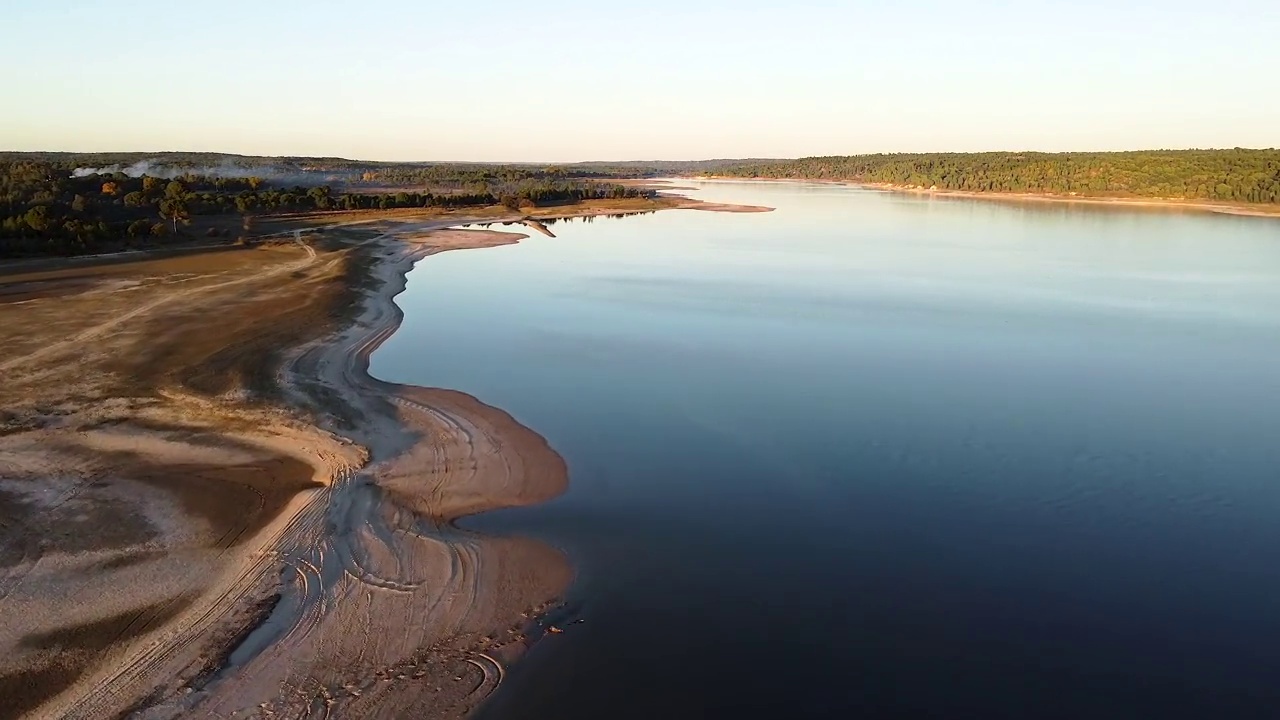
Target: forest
x=1235, y=176
x=53, y=205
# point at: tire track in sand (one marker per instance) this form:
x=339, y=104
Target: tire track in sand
x=406, y=600
x=166, y=298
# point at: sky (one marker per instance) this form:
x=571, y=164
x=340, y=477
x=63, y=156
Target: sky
x=565, y=80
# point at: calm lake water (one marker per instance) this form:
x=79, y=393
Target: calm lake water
x=877, y=455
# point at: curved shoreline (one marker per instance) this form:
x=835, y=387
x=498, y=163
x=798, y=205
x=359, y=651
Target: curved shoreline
x=360, y=591
x=445, y=602
x=391, y=589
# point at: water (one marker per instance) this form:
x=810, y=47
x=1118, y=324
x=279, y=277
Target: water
x=882, y=455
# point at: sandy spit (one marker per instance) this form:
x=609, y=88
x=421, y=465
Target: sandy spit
x=388, y=609
x=393, y=611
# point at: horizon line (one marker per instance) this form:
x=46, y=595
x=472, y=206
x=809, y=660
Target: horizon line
x=745, y=158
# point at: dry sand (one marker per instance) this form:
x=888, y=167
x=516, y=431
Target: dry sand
x=209, y=509
x=391, y=608
x=137, y=514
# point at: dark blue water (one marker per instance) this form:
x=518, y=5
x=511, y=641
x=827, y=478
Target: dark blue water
x=876, y=455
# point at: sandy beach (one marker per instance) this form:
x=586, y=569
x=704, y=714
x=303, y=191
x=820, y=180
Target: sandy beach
x=208, y=508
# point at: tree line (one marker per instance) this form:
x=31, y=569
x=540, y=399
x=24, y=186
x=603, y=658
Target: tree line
x=1239, y=175
x=46, y=208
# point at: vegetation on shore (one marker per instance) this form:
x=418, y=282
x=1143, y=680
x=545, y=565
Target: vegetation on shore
x=62, y=207
x=1230, y=176
x=71, y=204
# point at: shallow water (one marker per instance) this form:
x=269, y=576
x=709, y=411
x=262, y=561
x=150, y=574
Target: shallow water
x=879, y=454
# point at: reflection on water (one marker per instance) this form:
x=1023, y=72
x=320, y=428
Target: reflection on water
x=886, y=454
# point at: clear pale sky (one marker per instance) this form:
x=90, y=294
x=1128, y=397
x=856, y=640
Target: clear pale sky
x=563, y=80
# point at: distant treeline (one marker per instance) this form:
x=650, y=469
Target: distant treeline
x=47, y=208
x=1244, y=176
x=461, y=176
x=334, y=170
x=466, y=175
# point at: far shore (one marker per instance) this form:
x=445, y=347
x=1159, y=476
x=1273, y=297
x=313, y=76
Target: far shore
x=1242, y=209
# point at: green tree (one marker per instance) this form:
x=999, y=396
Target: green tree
x=37, y=218
x=320, y=197
x=175, y=210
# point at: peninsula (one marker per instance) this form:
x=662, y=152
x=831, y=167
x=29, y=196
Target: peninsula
x=208, y=506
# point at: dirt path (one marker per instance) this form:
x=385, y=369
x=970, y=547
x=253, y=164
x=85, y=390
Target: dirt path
x=103, y=328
